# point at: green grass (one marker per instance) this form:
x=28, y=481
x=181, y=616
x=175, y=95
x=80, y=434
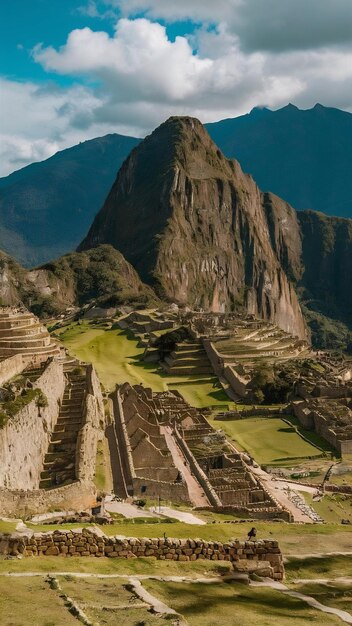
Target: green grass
x=125, y=567
x=332, y=508
x=224, y=604
x=328, y=567
x=336, y=595
x=31, y=601
x=267, y=440
x=118, y=359
x=7, y=527
x=108, y=602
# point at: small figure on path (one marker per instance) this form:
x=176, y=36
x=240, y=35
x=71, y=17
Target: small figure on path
x=252, y=534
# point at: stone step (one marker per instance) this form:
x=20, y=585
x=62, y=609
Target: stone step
x=63, y=448
x=60, y=463
x=64, y=436
x=68, y=427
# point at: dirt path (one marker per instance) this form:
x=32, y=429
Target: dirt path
x=127, y=510
x=182, y=516
x=195, y=491
x=343, y=615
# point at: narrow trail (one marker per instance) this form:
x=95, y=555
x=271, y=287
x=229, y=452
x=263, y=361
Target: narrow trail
x=195, y=491
x=315, y=604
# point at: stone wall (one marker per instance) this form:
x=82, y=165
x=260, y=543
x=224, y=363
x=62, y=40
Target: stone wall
x=198, y=472
x=92, y=430
x=263, y=557
x=149, y=488
x=238, y=383
x=11, y=367
x=24, y=439
x=18, y=503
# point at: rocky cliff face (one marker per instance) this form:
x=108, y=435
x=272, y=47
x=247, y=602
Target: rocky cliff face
x=327, y=260
x=191, y=222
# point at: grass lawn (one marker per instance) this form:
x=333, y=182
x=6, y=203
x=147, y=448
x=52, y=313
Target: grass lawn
x=268, y=440
x=335, y=595
x=125, y=567
x=231, y=604
x=109, y=602
x=7, y=527
x=117, y=359
x=328, y=567
x=332, y=508
x=31, y=601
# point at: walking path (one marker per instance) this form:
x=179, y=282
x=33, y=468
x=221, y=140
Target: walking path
x=127, y=510
x=182, y=516
x=195, y=491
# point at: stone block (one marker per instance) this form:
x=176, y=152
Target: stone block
x=52, y=551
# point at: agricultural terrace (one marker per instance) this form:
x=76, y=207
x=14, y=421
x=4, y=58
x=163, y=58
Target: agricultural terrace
x=271, y=440
x=117, y=358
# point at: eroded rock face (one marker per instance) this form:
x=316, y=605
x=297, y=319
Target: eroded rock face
x=192, y=222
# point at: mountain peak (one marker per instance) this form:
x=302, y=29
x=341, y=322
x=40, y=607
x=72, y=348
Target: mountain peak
x=195, y=226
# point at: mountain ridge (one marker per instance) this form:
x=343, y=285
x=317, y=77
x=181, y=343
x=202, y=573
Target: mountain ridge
x=195, y=227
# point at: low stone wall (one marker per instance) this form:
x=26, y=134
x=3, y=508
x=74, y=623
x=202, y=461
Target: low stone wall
x=18, y=503
x=24, y=439
x=11, y=367
x=260, y=556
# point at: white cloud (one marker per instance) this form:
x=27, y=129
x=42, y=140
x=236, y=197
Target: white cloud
x=274, y=25
x=132, y=81
x=139, y=66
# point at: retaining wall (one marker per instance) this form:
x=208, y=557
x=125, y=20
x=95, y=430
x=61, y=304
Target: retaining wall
x=25, y=437
x=92, y=429
x=263, y=557
x=19, y=503
x=11, y=367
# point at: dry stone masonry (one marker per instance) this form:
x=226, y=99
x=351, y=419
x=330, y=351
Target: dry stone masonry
x=149, y=465
x=262, y=557
x=52, y=416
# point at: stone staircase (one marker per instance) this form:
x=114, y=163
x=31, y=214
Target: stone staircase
x=188, y=359
x=60, y=460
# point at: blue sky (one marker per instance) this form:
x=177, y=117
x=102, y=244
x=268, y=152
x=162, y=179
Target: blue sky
x=76, y=69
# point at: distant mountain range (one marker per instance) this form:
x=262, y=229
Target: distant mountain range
x=303, y=156
x=182, y=223
x=47, y=207
x=200, y=231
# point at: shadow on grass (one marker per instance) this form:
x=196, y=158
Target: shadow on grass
x=230, y=601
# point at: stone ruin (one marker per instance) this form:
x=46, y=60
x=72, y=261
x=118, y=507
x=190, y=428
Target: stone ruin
x=167, y=449
x=52, y=415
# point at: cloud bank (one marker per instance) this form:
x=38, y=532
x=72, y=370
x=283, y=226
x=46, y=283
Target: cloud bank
x=240, y=54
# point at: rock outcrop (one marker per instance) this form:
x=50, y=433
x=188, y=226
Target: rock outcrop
x=192, y=223
x=102, y=275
